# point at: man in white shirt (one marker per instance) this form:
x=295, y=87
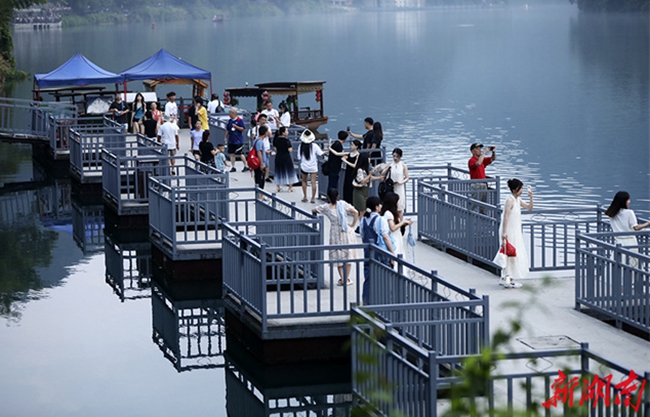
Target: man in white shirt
x=273, y=117
x=168, y=135
x=171, y=108
x=214, y=106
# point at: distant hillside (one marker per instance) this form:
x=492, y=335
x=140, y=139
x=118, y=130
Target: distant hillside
x=613, y=5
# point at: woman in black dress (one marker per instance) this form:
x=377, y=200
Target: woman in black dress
x=350, y=171
x=285, y=173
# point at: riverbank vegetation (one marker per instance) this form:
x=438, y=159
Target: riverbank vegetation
x=148, y=11
x=8, y=73
x=613, y=5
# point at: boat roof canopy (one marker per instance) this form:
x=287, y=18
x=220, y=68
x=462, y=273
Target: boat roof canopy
x=277, y=89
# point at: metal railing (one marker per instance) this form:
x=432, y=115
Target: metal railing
x=189, y=333
x=551, y=234
x=125, y=172
x=60, y=130
x=185, y=211
x=128, y=268
x=412, y=378
x=450, y=218
x=614, y=279
x=86, y=146
x=304, y=282
x=30, y=118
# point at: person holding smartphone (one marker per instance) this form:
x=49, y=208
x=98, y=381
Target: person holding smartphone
x=476, y=165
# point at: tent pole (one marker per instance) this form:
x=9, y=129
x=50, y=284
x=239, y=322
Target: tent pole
x=210, y=87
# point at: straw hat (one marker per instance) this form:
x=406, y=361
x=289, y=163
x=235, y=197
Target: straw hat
x=307, y=136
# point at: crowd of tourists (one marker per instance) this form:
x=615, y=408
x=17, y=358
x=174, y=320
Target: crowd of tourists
x=376, y=219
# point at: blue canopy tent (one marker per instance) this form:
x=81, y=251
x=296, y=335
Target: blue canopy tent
x=78, y=70
x=165, y=67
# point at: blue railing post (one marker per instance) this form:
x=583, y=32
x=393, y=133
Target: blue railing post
x=617, y=284
x=432, y=386
x=262, y=285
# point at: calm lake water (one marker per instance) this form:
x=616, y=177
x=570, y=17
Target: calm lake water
x=563, y=96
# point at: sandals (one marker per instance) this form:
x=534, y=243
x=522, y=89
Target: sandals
x=340, y=282
x=304, y=200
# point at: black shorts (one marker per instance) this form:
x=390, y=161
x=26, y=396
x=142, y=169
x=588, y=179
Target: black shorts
x=235, y=149
x=196, y=153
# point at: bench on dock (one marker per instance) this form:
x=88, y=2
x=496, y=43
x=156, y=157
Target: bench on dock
x=613, y=280
x=418, y=381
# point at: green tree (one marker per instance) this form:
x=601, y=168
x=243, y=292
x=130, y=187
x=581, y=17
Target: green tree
x=7, y=61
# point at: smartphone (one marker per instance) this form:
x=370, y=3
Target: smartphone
x=530, y=189
x=348, y=128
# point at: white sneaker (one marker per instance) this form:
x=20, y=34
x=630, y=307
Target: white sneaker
x=506, y=282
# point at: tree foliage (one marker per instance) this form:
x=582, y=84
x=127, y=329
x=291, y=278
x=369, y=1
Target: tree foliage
x=613, y=5
x=7, y=61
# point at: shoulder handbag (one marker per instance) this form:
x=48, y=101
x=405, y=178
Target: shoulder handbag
x=325, y=168
x=508, y=249
x=357, y=184
x=386, y=186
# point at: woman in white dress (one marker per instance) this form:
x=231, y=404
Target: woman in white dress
x=624, y=220
x=517, y=267
x=341, y=233
x=389, y=206
x=399, y=173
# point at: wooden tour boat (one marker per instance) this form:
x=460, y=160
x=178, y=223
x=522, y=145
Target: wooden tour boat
x=308, y=117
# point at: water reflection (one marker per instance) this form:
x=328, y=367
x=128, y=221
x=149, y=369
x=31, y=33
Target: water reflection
x=128, y=267
x=188, y=323
x=34, y=217
x=88, y=226
x=257, y=390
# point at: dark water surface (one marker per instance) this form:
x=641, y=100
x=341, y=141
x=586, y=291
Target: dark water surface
x=563, y=96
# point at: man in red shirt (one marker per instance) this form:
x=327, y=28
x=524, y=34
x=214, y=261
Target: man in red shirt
x=476, y=165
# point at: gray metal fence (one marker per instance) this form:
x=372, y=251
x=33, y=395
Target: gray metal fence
x=32, y=119
x=614, y=279
x=392, y=373
x=60, y=131
x=451, y=218
x=185, y=212
x=86, y=146
x=125, y=172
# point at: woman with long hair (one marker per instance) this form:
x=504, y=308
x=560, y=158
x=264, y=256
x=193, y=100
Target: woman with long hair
x=390, y=212
x=138, y=108
x=377, y=138
x=309, y=153
x=622, y=219
x=285, y=115
x=285, y=174
x=350, y=161
x=399, y=173
x=517, y=267
x=341, y=232
x=362, y=181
